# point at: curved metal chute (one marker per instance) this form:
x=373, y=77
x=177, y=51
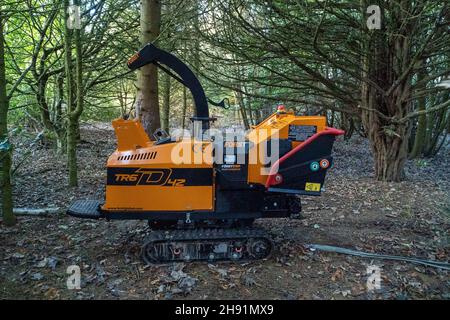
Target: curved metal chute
x=151, y=54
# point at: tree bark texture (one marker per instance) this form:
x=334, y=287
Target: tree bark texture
x=147, y=104
x=5, y=148
x=386, y=97
x=74, y=112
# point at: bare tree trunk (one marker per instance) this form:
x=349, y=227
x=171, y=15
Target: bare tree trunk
x=166, y=103
x=242, y=110
x=421, y=131
x=256, y=116
x=55, y=125
x=436, y=129
x=147, y=104
x=250, y=113
x=183, y=119
x=59, y=121
x=247, y=105
x=5, y=148
x=73, y=113
x=332, y=118
x=448, y=122
x=196, y=51
x=347, y=124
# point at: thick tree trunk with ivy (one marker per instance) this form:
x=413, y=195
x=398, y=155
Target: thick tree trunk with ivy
x=389, y=142
x=5, y=148
x=386, y=98
x=147, y=104
x=74, y=112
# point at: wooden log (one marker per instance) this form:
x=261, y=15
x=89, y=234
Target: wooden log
x=36, y=212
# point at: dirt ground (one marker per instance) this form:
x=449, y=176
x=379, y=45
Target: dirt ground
x=410, y=218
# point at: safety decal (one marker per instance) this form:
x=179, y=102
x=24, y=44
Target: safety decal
x=300, y=132
x=314, y=166
x=324, y=163
x=311, y=186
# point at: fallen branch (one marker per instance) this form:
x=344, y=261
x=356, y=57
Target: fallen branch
x=36, y=212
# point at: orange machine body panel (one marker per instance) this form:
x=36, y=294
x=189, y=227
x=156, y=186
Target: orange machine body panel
x=277, y=126
x=145, y=176
x=180, y=176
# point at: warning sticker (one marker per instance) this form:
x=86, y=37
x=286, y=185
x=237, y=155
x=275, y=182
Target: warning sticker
x=301, y=133
x=310, y=186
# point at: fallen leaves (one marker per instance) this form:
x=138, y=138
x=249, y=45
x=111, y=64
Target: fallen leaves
x=337, y=275
x=175, y=282
x=355, y=211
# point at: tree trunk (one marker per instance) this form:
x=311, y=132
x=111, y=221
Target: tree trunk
x=242, y=110
x=257, y=116
x=347, y=124
x=51, y=124
x=448, y=122
x=332, y=118
x=248, y=106
x=166, y=103
x=419, y=140
x=59, y=121
x=42, y=101
x=386, y=57
x=147, y=104
x=183, y=119
x=5, y=149
x=250, y=113
x=240, y=99
x=196, y=41
x=74, y=113
x=389, y=146
x=436, y=130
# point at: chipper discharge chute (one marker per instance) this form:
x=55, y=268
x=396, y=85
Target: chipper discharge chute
x=201, y=194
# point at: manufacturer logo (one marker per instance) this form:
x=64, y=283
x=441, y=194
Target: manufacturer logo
x=149, y=177
x=133, y=58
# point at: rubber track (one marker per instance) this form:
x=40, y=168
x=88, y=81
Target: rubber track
x=187, y=235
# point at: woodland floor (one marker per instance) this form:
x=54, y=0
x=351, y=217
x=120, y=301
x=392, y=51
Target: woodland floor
x=409, y=218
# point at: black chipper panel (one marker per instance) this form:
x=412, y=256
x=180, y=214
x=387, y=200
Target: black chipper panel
x=302, y=172
x=127, y=176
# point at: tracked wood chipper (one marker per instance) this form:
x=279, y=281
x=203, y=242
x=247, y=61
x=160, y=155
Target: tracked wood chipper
x=201, y=194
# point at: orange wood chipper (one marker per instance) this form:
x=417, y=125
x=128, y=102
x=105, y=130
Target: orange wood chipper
x=201, y=194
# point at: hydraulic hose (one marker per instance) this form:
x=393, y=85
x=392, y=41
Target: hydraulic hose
x=430, y=263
